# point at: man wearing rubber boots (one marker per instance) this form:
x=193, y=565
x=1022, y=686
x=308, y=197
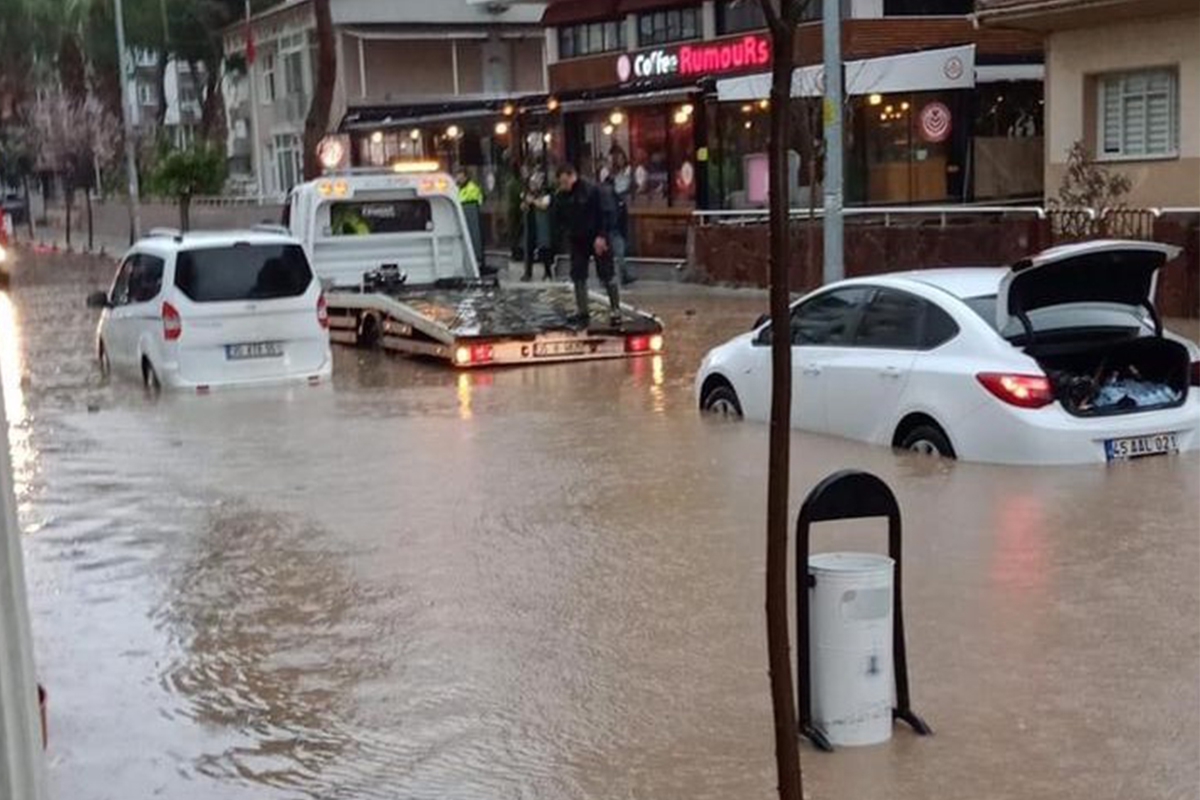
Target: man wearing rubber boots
x=588, y=227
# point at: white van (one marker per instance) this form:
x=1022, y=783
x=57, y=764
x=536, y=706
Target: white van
x=205, y=310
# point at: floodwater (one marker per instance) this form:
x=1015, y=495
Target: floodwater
x=546, y=583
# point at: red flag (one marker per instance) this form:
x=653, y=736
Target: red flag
x=250, y=51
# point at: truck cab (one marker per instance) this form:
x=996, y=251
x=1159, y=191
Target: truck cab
x=405, y=220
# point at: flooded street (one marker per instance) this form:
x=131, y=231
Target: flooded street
x=547, y=583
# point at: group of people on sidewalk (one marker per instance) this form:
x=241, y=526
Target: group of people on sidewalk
x=592, y=222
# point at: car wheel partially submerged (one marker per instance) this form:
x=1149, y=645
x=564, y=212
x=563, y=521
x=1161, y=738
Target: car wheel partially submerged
x=150, y=377
x=927, y=440
x=721, y=401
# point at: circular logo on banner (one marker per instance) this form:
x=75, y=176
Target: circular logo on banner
x=624, y=68
x=953, y=68
x=935, y=122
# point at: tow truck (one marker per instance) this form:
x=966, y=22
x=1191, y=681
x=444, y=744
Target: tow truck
x=392, y=249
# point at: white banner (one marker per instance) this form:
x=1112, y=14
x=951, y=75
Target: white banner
x=926, y=71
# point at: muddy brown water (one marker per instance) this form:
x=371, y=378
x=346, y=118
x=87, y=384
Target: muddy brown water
x=547, y=583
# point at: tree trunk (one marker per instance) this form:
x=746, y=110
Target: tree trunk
x=317, y=123
x=68, y=197
x=28, y=207
x=160, y=82
x=212, y=107
x=87, y=198
x=787, y=752
x=185, y=212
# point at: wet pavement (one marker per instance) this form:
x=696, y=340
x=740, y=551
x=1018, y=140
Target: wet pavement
x=547, y=583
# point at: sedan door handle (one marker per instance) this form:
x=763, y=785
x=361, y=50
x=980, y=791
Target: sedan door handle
x=811, y=369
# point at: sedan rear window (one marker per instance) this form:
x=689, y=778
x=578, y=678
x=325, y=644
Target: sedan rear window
x=243, y=272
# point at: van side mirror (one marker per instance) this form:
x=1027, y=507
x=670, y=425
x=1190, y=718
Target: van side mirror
x=98, y=300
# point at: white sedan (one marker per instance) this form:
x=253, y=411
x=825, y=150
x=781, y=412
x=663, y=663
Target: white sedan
x=1061, y=359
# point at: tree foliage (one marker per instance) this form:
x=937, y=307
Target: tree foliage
x=199, y=170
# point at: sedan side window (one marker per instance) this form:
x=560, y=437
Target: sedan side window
x=828, y=319
x=891, y=321
x=145, y=279
x=119, y=296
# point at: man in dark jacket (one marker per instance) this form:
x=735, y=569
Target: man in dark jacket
x=589, y=223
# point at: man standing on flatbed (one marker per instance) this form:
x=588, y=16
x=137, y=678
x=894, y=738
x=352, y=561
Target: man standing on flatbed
x=589, y=224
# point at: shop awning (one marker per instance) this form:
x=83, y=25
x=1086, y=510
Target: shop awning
x=569, y=12
x=926, y=71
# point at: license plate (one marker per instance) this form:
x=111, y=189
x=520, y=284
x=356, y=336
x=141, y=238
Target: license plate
x=560, y=349
x=243, y=352
x=1141, y=446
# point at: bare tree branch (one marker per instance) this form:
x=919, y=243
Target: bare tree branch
x=774, y=16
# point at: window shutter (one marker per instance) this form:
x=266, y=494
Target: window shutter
x=1134, y=123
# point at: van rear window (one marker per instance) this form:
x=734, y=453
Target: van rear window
x=243, y=272
x=387, y=216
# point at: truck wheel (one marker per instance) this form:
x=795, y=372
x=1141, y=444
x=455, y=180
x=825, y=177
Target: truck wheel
x=369, y=332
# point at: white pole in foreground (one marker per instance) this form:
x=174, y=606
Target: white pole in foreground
x=255, y=160
x=835, y=268
x=20, y=726
x=135, y=214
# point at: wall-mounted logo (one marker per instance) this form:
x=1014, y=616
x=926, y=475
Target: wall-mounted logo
x=953, y=68
x=935, y=122
x=692, y=60
x=624, y=68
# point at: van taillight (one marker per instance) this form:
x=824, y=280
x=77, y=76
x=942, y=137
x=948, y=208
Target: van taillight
x=1024, y=391
x=172, y=323
x=323, y=312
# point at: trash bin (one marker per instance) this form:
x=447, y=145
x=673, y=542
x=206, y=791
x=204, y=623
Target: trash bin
x=850, y=614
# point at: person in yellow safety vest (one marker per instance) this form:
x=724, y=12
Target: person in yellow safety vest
x=471, y=198
x=348, y=222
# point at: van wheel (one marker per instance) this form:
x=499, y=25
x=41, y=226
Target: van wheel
x=369, y=332
x=928, y=440
x=150, y=377
x=722, y=401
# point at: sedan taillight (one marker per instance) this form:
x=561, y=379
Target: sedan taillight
x=1023, y=391
x=323, y=312
x=172, y=323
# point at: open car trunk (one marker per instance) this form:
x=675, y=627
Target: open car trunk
x=1125, y=377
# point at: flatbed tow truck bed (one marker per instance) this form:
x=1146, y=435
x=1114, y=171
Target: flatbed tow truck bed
x=477, y=324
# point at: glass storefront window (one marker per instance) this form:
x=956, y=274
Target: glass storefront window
x=908, y=146
x=591, y=38
x=659, y=142
x=673, y=25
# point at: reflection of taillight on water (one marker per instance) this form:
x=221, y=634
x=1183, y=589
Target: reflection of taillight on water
x=472, y=354
x=644, y=344
x=323, y=312
x=1196, y=373
x=172, y=323
x=1023, y=391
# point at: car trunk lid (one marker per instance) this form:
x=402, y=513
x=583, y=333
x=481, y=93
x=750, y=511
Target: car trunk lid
x=1107, y=272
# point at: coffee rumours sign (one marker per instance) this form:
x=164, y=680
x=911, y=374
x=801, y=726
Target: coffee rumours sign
x=691, y=60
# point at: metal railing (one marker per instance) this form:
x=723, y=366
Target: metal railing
x=888, y=213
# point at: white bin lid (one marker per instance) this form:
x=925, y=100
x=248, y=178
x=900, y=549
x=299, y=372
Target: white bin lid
x=847, y=564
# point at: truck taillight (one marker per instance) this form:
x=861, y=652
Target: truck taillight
x=172, y=323
x=323, y=312
x=644, y=344
x=1023, y=391
x=473, y=354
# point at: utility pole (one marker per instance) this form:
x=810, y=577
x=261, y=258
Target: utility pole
x=835, y=268
x=135, y=214
x=21, y=772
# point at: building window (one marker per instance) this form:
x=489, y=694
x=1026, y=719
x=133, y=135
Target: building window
x=927, y=8
x=673, y=25
x=591, y=38
x=1139, y=114
x=739, y=16
x=145, y=94
x=268, y=78
x=288, y=162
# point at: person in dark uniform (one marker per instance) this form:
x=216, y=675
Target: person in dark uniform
x=589, y=223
